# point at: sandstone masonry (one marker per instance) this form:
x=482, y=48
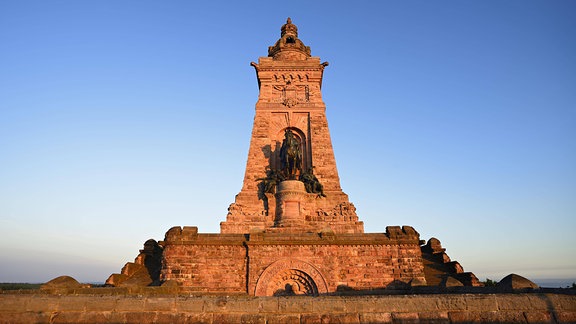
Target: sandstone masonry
x=149, y=308
x=291, y=230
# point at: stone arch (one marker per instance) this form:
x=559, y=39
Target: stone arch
x=290, y=277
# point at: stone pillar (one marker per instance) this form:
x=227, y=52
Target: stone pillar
x=290, y=195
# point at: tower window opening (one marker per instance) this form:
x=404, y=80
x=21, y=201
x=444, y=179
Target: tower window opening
x=290, y=40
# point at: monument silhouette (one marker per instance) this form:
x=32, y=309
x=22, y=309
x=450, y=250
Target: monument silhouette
x=291, y=230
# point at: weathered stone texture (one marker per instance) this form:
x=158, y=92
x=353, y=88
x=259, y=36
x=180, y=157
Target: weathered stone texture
x=209, y=263
x=31, y=308
x=514, y=281
x=290, y=98
x=284, y=240
x=263, y=263
x=440, y=270
x=291, y=230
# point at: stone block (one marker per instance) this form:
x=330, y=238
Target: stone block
x=116, y=279
x=561, y=302
x=314, y=319
x=195, y=318
x=565, y=317
x=115, y=317
x=361, y=304
x=439, y=317
x=283, y=318
x=249, y=303
x=160, y=304
x=140, y=317
x=375, y=318
x=481, y=303
x=97, y=317
x=334, y=304
x=420, y=303
x=216, y=304
x=393, y=232
x=173, y=233
x=297, y=305
x=168, y=318
x=405, y=304
x=253, y=319
x=13, y=303
x=82, y=317
x=130, y=268
x=406, y=318
x=538, y=317
x=487, y=317
x=268, y=305
x=351, y=318
x=521, y=302
x=43, y=304
x=224, y=318
x=130, y=304
x=330, y=318
x=459, y=317
x=190, y=304
x=510, y=317
x=93, y=304
x=24, y=317
x=451, y=303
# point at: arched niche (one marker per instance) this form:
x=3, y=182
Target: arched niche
x=304, y=148
x=290, y=277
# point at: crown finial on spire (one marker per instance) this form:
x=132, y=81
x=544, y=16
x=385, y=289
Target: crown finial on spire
x=289, y=42
x=289, y=28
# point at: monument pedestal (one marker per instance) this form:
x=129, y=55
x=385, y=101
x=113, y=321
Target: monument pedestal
x=290, y=195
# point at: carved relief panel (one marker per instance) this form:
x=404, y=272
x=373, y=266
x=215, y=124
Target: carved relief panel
x=289, y=89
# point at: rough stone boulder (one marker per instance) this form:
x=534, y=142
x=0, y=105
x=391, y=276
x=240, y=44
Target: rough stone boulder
x=65, y=282
x=514, y=282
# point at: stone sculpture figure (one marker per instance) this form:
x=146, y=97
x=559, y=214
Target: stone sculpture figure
x=268, y=184
x=290, y=156
x=312, y=183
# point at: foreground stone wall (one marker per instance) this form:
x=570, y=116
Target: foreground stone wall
x=447, y=308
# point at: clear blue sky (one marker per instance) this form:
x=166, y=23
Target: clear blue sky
x=121, y=119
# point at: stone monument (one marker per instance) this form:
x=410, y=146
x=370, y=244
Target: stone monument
x=291, y=229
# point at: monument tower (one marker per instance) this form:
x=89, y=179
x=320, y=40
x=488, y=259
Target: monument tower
x=290, y=102
x=291, y=229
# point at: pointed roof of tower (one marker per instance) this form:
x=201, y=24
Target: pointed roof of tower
x=289, y=47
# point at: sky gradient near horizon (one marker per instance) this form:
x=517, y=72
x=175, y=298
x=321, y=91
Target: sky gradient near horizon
x=121, y=119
